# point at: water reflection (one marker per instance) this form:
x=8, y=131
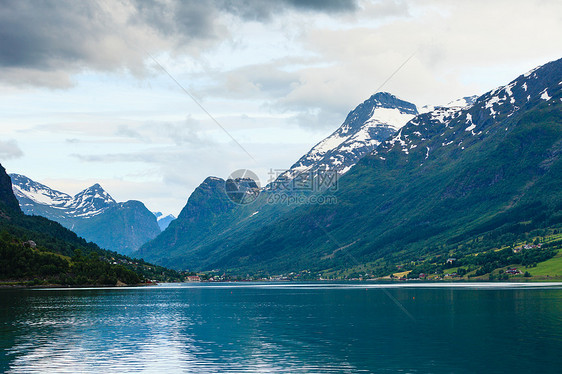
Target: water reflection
x=282, y=328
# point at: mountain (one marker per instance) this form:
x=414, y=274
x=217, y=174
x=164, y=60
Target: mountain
x=163, y=221
x=448, y=181
x=92, y=214
x=207, y=210
x=8, y=202
x=210, y=215
x=364, y=128
x=33, y=247
x=35, y=250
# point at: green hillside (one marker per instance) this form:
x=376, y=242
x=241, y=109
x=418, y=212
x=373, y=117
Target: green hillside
x=35, y=250
x=395, y=205
x=451, y=181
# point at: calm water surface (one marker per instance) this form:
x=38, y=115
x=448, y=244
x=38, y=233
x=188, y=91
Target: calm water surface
x=284, y=328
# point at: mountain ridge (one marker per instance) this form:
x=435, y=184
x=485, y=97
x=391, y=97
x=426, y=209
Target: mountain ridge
x=407, y=197
x=373, y=120
x=363, y=129
x=447, y=176
x=92, y=213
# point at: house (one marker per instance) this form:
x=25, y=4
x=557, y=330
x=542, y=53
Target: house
x=30, y=244
x=451, y=260
x=512, y=271
x=193, y=278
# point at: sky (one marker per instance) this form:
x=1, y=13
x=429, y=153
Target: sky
x=148, y=98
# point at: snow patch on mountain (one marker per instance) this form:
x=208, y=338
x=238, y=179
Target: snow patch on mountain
x=544, y=95
x=463, y=126
x=363, y=130
x=393, y=117
x=463, y=102
x=92, y=201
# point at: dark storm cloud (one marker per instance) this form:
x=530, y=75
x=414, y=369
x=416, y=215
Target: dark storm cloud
x=264, y=10
x=185, y=20
x=40, y=33
x=44, y=40
x=325, y=5
x=65, y=35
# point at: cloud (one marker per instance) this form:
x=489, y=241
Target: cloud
x=173, y=165
x=46, y=42
x=264, y=10
x=255, y=81
x=458, y=51
x=9, y=150
x=188, y=132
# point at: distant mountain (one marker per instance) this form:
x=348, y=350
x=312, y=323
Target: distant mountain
x=37, y=251
x=488, y=169
x=365, y=127
x=92, y=214
x=31, y=249
x=163, y=221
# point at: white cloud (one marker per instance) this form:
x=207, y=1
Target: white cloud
x=9, y=149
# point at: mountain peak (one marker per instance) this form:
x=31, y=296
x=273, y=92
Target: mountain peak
x=92, y=201
x=89, y=202
x=95, y=188
x=210, y=180
x=364, y=128
x=387, y=100
x=92, y=190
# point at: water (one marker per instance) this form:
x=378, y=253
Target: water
x=284, y=328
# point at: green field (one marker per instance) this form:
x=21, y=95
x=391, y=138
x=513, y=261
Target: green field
x=551, y=267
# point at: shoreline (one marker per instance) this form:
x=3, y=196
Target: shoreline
x=365, y=281
x=24, y=286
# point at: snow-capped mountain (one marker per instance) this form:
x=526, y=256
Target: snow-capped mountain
x=464, y=126
x=91, y=213
x=363, y=130
x=34, y=196
x=457, y=167
x=463, y=102
x=92, y=201
x=163, y=221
